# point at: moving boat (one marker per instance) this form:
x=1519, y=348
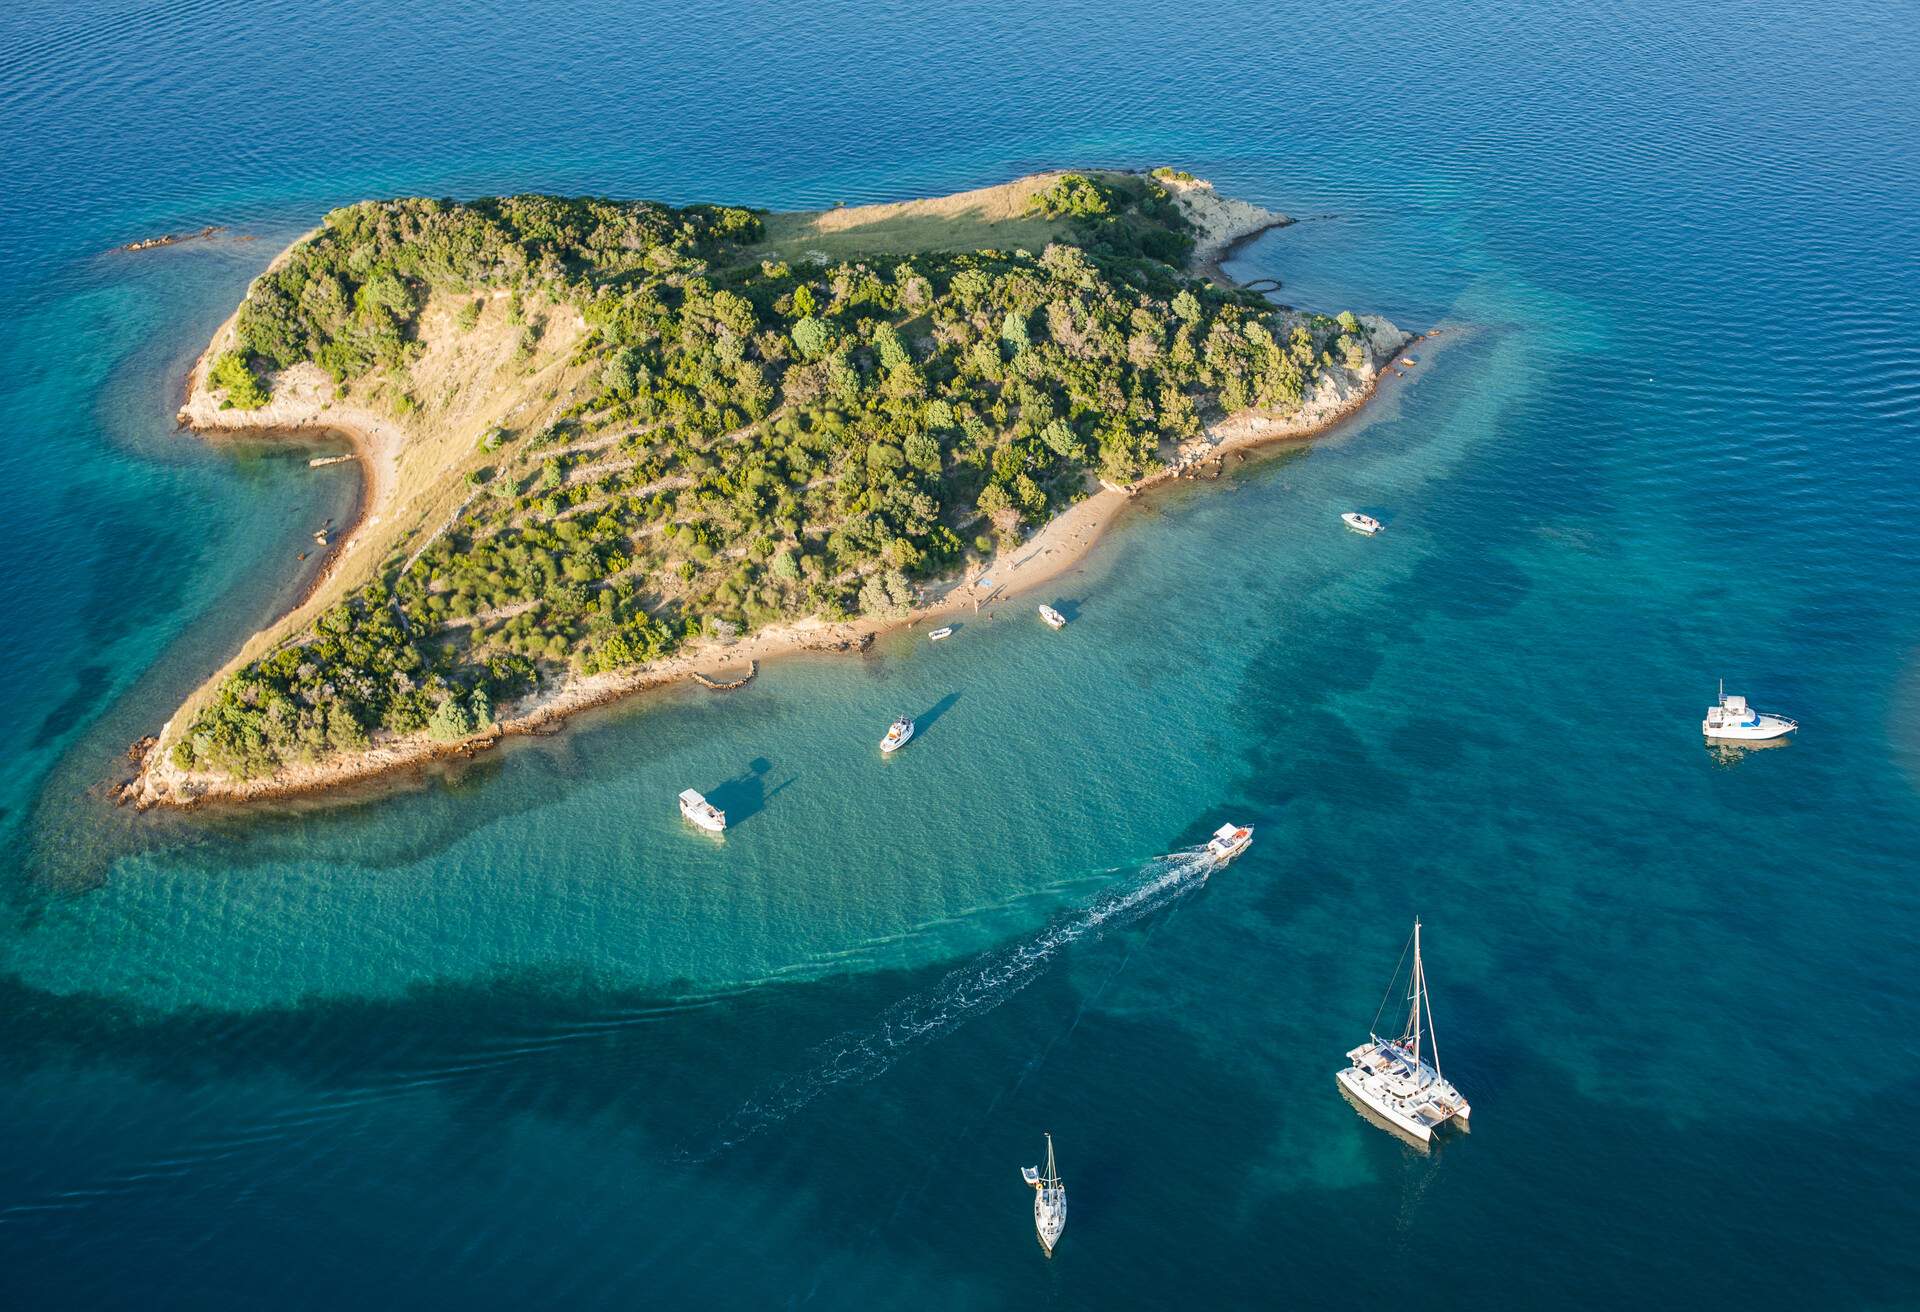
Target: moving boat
x=1362, y=523
x=937, y=634
x=1733, y=721
x=1392, y=1078
x=702, y=812
x=1049, y=1201
x=897, y=735
x=1053, y=617
x=1229, y=841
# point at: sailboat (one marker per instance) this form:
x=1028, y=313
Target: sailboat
x=1049, y=1201
x=1395, y=1077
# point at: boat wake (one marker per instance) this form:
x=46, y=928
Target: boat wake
x=973, y=989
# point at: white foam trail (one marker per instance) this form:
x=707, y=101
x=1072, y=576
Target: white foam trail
x=969, y=990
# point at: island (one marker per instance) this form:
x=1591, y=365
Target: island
x=608, y=443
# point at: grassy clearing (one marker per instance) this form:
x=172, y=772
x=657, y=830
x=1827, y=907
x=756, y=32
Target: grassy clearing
x=995, y=218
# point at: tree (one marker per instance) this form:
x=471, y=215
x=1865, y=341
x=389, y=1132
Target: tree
x=814, y=338
x=451, y=720
x=923, y=453
x=891, y=350
x=1063, y=441
x=231, y=372
x=1013, y=331
x=1074, y=195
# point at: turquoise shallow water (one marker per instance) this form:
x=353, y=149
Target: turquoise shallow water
x=518, y=1035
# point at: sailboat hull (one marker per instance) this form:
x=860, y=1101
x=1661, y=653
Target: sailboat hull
x=1357, y=1088
x=1049, y=1216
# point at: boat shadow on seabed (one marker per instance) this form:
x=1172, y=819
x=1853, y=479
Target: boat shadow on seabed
x=1727, y=755
x=746, y=795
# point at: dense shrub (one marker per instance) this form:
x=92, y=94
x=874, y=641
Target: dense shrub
x=232, y=373
x=1074, y=196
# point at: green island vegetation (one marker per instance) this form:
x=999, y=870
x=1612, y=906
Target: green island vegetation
x=757, y=435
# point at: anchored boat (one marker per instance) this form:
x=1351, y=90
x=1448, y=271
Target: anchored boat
x=897, y=735
x=1733, y=721
x=1229, y=841
x=1049, y=1201
x=1360, y=523
x=1394, y=1079
x=938, y=634
x=702, y=812
x=1054, y=619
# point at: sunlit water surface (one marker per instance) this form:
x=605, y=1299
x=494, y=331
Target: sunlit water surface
x=518, y=1035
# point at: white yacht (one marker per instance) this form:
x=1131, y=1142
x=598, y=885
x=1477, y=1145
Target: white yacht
x=1049, y=1201
x=1054, y=619
x=702, y=812
x=1229, y=841
x=1360, y=523
x=943, y=632
x=1733, y=721
x=897, y=735
x=1393, y=1078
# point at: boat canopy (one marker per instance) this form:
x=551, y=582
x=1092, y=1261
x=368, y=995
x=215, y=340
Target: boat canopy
x=1735, y=705
x=692, y=798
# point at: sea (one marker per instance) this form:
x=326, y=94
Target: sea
x=514, y=1035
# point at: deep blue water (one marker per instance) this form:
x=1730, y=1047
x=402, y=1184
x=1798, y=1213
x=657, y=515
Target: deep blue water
x=516, y=1037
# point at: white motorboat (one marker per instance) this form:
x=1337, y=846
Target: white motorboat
x=897, y=735
x=1392, y=1078
x=1360, y=523
x=1054, y=619
x=937, y=634
x=1229, y=841
x=702, y=812
x=1733, y=721
x=1049, y=1201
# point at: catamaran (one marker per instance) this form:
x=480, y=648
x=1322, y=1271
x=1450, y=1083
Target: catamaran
x=702, y=812
x=1733, y=721
x=1229, y=841
x=1394, y=1079
x=1054, y=619
x=1360, y=523
x=897, y=735
x=1049, y=1201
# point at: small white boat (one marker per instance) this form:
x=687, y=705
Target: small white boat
x=938, y=634
x=1049, y=1201
x=1360, y=523
x=1733, y=721
x=1054, y=619
x=702, y=812
x=1229, y=841
x=1391, y=1078
x=897, y=735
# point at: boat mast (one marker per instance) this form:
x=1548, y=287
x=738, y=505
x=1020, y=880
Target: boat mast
x=1051, y=1177
x=1433, y=1039
x=1416, y=985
